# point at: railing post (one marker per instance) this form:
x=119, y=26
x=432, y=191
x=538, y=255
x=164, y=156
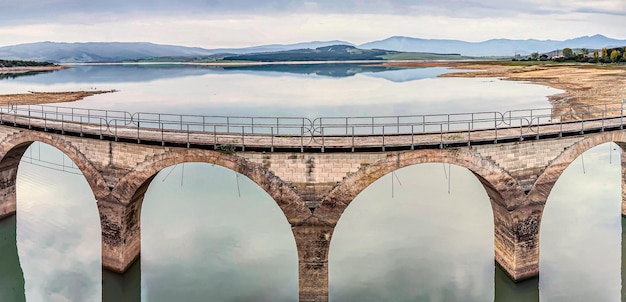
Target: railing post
x=495, y=127
x=214, y=137
x=440, y=136
x=412, y=138
x=323, y=143
x=62, y=124
x=45, y=122
x=116, y=130
x=162, y=140
x=188, y=136
x=521, y=130
x=272, y=146
x=352, y=138
x=603, y=114
x=582, y=125
x=81, y=125
x=621, y=116
x=302, y=137
x=538, y=125
x=243, y=139
x=138, y=140
x=469, y=134
x=29, y=126
x=398, y=123
x=383, y=138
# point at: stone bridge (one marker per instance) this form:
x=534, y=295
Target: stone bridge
x=312, y=183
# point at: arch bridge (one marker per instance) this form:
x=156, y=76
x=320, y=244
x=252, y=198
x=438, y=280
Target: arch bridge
x=313, y=169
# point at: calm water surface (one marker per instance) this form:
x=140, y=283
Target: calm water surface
x=209, y=234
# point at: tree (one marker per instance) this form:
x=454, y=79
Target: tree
x=604, y=54
x=568, y=53
x=585, y=51
x=616, y=55
x=534, y=56
x=595, y=54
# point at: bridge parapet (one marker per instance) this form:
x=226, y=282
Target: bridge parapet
x=339, y=134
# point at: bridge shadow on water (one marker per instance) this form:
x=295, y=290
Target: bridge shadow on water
x=12, y=281
x=122, y=287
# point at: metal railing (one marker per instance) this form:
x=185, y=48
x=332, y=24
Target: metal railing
x=323, y=132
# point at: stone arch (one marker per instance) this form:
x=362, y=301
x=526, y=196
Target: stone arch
x=545, y=182
x=502, y=189
x=132, y=186
x=13, y=147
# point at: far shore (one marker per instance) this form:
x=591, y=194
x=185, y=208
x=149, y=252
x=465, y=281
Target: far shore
x=583, y=84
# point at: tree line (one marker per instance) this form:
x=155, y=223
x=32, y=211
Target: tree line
x=604, y=55
x=18, y=63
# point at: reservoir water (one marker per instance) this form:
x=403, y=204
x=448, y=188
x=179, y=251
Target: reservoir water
x=209, y=234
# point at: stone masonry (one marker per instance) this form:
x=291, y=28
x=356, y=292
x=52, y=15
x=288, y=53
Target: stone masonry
x=312, y=189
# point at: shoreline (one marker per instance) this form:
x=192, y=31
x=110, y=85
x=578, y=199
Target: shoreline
x=582, y=84
x=39, y=98
x=27, y=69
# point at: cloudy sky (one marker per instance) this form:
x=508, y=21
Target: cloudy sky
x=239, y=23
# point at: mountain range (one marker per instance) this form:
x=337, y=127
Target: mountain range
x=128, y=51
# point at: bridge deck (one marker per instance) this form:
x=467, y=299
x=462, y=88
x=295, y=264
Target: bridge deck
x=311, y=140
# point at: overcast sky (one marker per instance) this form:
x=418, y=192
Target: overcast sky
x=239, y=23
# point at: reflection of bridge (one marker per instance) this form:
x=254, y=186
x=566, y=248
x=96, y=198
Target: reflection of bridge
x=313, y=169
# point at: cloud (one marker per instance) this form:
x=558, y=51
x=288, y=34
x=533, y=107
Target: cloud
x=239, y=23
x=20, y=11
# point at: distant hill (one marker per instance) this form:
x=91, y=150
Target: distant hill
x=141, y=51
x=326, y=53
x=494, y=47
x=279, y=47
x=124, y=51
x=93, y=52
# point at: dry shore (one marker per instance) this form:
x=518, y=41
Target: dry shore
x=33, y=98
x=26, y=69
x=583, y=84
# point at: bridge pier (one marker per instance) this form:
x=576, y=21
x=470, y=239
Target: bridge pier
x=516, y=240
x=313, y=242
x=623, y=157
x=8, y=177
x=121, y=239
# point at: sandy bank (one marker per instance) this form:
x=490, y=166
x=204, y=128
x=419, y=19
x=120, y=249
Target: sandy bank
x=25, y=69
x=33, y=98
x=584, y=84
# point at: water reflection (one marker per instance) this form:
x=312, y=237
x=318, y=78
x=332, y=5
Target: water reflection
x=211, y=91
x=421, y=245
x=580, y=230
x=58, y=229
x=12, y=281
x=224, y=239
